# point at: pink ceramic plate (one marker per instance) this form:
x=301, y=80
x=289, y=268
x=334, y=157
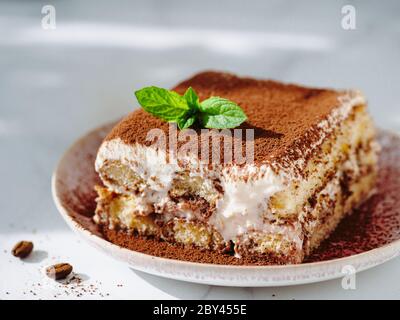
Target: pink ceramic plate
x=367, y=238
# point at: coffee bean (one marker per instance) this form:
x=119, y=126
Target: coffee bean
x=22, y=249
x=59, y=271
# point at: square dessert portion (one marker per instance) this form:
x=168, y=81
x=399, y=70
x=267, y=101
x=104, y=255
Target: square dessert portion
x=314, y=161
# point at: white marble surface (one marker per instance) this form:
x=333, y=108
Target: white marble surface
x=56, y=85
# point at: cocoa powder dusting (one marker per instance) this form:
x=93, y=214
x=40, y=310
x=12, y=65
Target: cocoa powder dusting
x=284, y=116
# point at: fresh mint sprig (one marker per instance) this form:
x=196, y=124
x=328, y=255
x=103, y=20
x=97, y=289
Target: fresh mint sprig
x=213, y=113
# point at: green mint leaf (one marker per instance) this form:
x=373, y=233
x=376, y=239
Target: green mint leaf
x=220, y=113
x=164, y=104
x=185, y=123
x=192, y=99
x=214, y=112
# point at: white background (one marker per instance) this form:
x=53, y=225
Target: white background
x=56, y=85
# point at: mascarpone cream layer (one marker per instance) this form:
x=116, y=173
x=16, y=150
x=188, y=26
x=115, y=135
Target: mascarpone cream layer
x=247, y=189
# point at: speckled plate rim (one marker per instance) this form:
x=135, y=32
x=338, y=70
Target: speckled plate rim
x=227, y=275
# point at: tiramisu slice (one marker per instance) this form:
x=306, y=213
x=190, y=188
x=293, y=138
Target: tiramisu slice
x=313, y=160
